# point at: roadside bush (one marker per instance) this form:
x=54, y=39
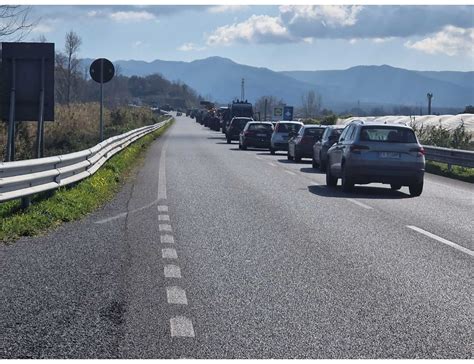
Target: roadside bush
x=458, y=138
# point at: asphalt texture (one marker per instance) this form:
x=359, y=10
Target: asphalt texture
x=273, y=264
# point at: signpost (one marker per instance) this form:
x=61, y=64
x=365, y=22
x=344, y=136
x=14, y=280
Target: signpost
x=288, y=113
x=277, y=113
x=102, y=71
x=28, y=89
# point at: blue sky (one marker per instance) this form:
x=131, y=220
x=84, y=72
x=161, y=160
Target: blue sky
x=308, y=37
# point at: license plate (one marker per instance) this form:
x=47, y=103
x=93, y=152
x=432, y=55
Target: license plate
x=262, y=135
x=393, y=155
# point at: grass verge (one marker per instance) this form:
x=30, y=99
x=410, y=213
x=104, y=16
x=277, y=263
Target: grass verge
x=72, y=202
x=456, y=172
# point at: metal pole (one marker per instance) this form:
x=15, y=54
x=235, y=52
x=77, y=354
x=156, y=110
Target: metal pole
x=101, y=99
x=40, y=130
x=11, y=121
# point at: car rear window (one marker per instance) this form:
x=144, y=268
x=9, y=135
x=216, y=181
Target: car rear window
x=387, y=134
x=286, y=128
x=240, y=123
x=262, y=127
x=314, y=132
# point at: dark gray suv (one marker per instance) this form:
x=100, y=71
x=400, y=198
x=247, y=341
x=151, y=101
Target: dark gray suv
x=377, y=152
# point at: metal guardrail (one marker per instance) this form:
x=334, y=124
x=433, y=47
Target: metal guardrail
x=457, y=157
x=24, y=178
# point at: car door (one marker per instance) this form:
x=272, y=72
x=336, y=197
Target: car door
x=336, y=151
x=318, y=145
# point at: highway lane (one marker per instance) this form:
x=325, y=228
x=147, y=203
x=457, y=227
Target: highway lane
x=271, y=264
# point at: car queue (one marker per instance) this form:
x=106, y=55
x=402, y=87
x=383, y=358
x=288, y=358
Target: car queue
x=357, y=153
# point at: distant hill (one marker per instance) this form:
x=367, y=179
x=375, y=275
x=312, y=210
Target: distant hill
x=220, y=79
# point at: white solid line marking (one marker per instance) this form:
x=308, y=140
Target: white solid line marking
x=162, y=208
x=290, y=172
x=272, y=164
x=172, y=271
x=442, y=240
x=162, y=175
x=359, y=204
x=163, y=218
x=164, y=227
x=167, y=239
x=181, y=327
x=169, y=253
x=176, y=296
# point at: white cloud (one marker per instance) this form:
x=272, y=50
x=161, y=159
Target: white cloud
x=227, y=8
x=42, y=28
x=131, y=16
x=451, y=41
x=187, y=47
x=328, y=15
x=93, y=13
x=256, y=29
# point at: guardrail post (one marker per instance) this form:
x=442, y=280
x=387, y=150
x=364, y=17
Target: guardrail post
x=25, y=202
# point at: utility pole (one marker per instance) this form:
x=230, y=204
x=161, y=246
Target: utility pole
x=429, y=95
x=242, y=91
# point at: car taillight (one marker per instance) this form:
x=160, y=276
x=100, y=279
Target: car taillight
x=419, y=150
x=307, y=140
x=355, y=148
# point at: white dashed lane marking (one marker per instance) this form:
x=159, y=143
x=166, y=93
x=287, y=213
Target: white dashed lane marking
x=167, y=239
x=442, y=240
x=290, y=172
x=359, y=203
x=272, y=164
x=165, y=227
x=169, y=253
x=163, y=218
x=176, y=296
x=162, y=208
x=181, y=327
x=172, y=271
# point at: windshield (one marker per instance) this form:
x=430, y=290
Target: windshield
x=314, y=132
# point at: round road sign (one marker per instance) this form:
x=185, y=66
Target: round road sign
x=102, y=70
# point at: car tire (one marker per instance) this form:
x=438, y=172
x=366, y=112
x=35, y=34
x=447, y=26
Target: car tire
x=416, y=189
x=243, y=147
x=272, y=151
x=395, y=187
x=240, y=146
x=229, y=141
x=331, y=181
x=290, y=158
x=297, y=158
x=314, y=164
x=346, y=181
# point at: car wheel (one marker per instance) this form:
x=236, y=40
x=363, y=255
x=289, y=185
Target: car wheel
x=416, y=189
x=331, y=181
x=314, y=164
x=244, y=147
x=240, y=146
x=272, y=151
x=347, y=184
x=395, y=187
x=297, y=158
x=290, y=158
x=228, y=141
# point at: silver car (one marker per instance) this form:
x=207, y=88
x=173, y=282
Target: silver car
x=283, y=129
x=377, y=152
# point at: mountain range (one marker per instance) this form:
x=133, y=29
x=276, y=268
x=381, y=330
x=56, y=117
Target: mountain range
x=220, y=79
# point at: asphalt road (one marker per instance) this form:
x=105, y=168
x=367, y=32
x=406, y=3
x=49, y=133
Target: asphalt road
x=214, y=252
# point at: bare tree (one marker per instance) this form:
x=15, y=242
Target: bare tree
x=71, y=48
x=311, y=102
x=14, y=22
x=272, y=102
